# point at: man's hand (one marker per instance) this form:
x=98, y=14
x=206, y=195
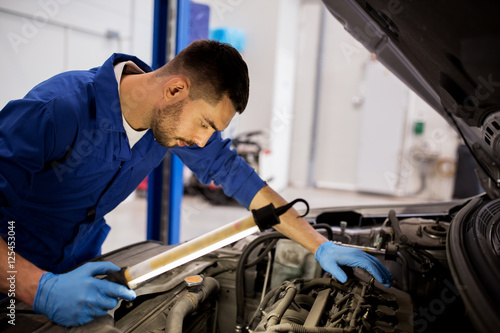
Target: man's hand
x=329, y=255
x=332, y=256
x=77, y=297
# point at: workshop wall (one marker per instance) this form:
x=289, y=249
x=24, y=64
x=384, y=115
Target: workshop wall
x=40, y=38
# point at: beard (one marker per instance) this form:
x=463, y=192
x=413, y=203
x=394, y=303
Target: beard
x=165, y=122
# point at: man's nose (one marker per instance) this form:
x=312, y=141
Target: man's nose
x=202, y=139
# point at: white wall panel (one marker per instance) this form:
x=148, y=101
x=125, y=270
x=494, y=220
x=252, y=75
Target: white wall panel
x=141, y=39
x=85, y=51
x=91, y=15
x=381, y=134
x=308, y=32
x=338, y=119
x=284, y=90
x=41, y=38
x=25, y=57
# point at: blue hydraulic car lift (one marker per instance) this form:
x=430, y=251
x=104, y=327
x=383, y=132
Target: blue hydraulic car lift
x=164, y=198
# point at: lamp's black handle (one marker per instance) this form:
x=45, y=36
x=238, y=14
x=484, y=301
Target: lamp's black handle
x=268, y=216
x=118, y=277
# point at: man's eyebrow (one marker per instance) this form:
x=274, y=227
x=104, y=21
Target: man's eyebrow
x=211, y=123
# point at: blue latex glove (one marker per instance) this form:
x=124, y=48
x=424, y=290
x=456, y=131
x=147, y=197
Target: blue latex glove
x=331, y=256
x=77, y=297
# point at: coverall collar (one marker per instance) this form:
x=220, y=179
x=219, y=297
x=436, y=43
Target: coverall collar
x=108, y=109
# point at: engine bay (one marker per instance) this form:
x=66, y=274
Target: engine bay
x=268, y=283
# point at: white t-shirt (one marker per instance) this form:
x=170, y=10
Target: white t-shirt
x=129, y=67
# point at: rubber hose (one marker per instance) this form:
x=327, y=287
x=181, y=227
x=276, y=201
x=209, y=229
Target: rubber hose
x=264, y=253
x=325, y=226
x=240, y=270
x=263, y=304
x=322, y=283
x=397, y=228
x=405, y=269
x=188, y=303
x=275, y=315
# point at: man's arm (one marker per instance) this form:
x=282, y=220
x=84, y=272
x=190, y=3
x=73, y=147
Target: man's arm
x=67, y=299
x=26, y=277
x=291, y=225
x=330, y=256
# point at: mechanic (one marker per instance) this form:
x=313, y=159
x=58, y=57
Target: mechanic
x=79, y=143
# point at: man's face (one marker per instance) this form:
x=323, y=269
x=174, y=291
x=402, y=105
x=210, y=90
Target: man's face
x=188, y=122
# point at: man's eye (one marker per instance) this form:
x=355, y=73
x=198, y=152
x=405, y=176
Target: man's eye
x=203, y=125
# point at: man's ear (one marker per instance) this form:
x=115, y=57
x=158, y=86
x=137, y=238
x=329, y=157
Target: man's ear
x=176, y=88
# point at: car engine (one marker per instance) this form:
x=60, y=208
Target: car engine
x=268, y=283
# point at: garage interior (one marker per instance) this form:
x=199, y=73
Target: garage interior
x=330, y=129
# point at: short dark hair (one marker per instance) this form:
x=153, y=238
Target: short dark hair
x=214, y=69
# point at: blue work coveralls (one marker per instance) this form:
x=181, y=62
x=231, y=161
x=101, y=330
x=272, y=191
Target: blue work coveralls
x=65, y=162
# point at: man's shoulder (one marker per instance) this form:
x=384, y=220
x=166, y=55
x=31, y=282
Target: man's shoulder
x=62, y=85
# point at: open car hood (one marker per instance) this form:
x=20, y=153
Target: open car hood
x=448, y=53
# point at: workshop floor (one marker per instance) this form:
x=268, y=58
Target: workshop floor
x=128, y=220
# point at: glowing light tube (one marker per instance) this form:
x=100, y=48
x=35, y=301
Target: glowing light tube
x=188, y=251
